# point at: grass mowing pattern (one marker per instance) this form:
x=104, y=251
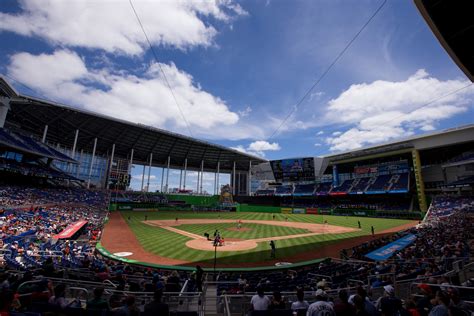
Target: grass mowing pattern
x=169, y=244
x=257, y=230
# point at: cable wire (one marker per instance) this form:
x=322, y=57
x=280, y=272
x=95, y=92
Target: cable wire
x=161, y=68
x=321, y=77
x=418, y=108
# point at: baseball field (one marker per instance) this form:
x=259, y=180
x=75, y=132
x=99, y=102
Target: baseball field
x=178, y=238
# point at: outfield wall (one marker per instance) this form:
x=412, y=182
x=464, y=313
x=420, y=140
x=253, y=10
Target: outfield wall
x=197, y=200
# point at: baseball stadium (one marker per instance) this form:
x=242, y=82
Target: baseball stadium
x=393, y=221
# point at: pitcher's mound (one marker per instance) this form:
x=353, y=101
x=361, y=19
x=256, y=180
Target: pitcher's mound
x=242, y=229
x=231, y=244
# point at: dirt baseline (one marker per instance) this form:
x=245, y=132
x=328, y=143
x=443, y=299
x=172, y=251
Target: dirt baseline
x=201, y=243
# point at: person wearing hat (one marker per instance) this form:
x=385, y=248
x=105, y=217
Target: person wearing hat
x=423, y=305
x=321, y=307
x=388, y=304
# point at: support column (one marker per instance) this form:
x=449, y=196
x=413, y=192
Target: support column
x=249, y=186
x=80, y=163
x=162, y=178
x=73, y=152
x=180, y=178
x=233, y=179
x=143, y=178
x=4, y=107
x=92, y=162
x=111, y=164
x=149, y=172
x=45, y=133
x=218, y=176
x=197, y=187
x=420, y=187
x=185, y=172
x=168, y=174
x=130, y=165
x=202, y=173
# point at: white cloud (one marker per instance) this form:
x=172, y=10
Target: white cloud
x=318, y=145
x=112, y=26
x=262, y=145
x=385, y=110
x=258, y=148
x=146, y=99
x=320, y=133
x=245, y=112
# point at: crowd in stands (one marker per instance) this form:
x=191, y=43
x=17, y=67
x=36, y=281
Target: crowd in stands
x=37, y=269
x=445, y=205
x=138, y=197
x=14, y=196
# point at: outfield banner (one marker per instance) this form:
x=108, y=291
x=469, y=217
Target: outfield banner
x=70, y=230
x=387, y=251
x=312, y=210
x=298, y=211
x=286, y=210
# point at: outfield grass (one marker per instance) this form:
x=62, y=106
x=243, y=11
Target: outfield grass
x=169, y=244
x=256, y=230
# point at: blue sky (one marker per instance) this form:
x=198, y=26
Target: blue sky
x=238, y=69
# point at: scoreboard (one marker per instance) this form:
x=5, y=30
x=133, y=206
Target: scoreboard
x=293, y=170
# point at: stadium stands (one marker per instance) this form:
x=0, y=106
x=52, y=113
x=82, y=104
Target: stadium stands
x=265, y=192
x=29, y=145
x=284, y=190
x=304, y=189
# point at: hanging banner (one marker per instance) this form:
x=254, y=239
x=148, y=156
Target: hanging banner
x=387, y=251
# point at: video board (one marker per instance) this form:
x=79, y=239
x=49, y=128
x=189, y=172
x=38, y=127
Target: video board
x=293, y=170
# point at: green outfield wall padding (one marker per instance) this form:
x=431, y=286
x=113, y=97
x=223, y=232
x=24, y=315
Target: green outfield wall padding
x=194, y=199
x=258, y=208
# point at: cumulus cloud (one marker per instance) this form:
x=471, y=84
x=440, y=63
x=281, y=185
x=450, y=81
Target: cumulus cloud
x=144, y=99
x=258, y=148
x=112, y=26
x=384, y=110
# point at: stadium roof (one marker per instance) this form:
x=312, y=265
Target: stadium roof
x=30, y=115
x=453, y=25
x=452, y=136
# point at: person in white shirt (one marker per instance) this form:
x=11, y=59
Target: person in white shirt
x=300, y=303
x=321, y=307
x=260, y=301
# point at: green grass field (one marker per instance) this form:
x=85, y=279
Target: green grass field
x=256, y=230
x=169, y=244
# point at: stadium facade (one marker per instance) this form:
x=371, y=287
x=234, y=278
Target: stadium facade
x=400, y=171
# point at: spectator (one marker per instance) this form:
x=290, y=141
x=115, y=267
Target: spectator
x=424, y=305
x=157, y=307
x=342, y=306
x=359, y=304
x=277, y=301
x=259, y=302
x=199, y=277
x=456, y=301
x=300, y=304
x=98, y=303
x=441, y=305
x=58, y=300
x=411, y=308
x=388, y=304
x=321, y=306
x=128, y=308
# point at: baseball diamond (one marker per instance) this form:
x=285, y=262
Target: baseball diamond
x=163, y=240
